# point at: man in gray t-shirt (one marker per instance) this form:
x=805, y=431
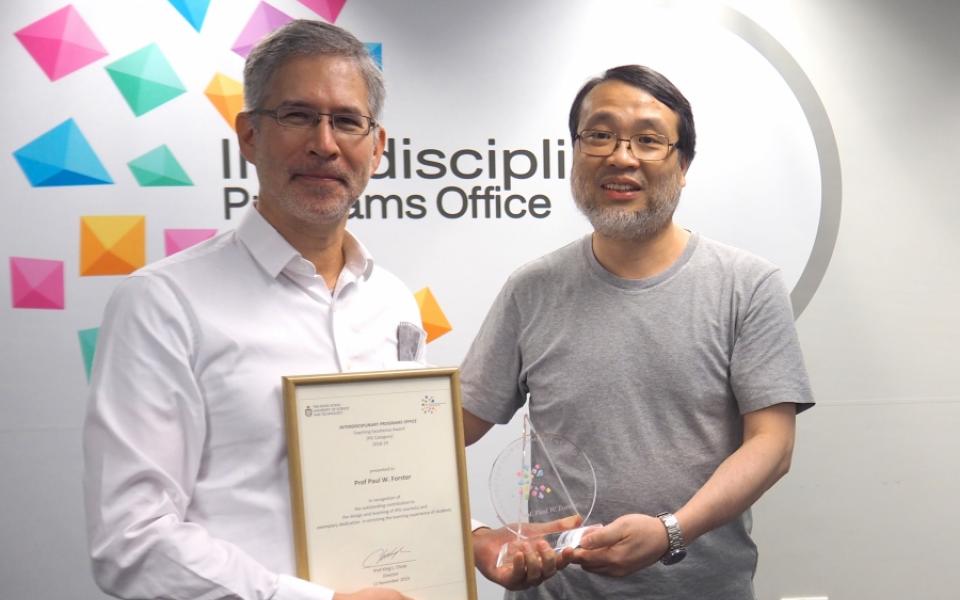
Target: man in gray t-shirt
x=670, y=359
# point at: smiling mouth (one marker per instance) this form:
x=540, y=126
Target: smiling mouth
x=318, y=177
x=621, y=187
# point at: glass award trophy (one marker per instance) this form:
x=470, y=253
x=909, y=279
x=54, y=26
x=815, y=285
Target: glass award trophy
x=539, y=478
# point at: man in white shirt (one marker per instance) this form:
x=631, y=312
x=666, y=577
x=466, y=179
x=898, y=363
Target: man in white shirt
x=185, y=478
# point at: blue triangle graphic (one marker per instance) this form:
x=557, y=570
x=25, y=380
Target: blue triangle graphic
x=375, y=49
x=194, y=11
x=61, y=156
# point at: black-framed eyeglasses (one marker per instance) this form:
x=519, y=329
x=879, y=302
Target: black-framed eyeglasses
x=301, y=117
x=647, y=147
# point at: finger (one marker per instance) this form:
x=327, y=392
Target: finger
x=564, y=558
x=595, y=561
x=571, y=522
x=589, y=559
x=548, y=560
x=534, y=567
x=518, y=571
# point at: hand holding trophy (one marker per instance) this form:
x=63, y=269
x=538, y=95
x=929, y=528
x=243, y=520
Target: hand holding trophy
x=540, y=478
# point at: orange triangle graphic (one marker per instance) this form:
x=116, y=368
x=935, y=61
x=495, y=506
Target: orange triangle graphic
x=130, y=248
x=110, y=264
x=91, y=248
x=112, y=245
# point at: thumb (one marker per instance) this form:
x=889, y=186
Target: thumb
x=601, y=537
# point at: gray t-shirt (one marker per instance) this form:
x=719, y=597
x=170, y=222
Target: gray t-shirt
x=650, y=378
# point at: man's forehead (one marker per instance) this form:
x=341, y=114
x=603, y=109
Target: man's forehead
x=302, y=79
x=615, y=100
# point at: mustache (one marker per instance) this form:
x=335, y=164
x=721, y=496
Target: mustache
x=315, y=170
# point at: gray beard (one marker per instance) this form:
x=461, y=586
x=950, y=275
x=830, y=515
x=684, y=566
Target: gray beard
x=331, y=213
x=633, y=225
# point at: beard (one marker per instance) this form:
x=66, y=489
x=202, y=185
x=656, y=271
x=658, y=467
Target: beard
x=318, y=204
x=315, y=211
x=629, y=224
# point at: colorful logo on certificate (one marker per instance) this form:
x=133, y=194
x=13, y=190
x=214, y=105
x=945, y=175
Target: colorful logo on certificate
x=429, y=404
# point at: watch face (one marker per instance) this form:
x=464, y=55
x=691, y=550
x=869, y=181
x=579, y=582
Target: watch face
x=674, y=556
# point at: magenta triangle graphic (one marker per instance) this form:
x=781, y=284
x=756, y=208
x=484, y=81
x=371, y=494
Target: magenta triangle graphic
x=36, y=283
x=264, y=20
x=61, y=42
x=176, y=240
x=328, y=9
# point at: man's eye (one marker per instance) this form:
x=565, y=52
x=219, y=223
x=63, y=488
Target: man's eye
x=598, y=136
x=349, y=122
x=297, y=117
x=649, y=140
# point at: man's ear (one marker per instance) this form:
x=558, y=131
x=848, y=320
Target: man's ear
x=378, y=147
x=246, y=135
x=684, y=165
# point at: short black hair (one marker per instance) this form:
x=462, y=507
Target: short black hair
x=657, y=86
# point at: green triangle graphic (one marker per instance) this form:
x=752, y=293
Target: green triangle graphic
x=88, y=346
x=145, y=79
x=159, y=167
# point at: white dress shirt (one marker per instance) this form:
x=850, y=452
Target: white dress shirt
x=185, y=479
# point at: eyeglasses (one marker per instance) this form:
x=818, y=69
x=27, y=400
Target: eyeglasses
x=300, y=117
x=644, y=146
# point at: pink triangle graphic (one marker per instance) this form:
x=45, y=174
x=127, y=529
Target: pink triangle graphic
x=36, y=283
x=61, y=42
x=328, y=9
x=73, y=57
x=264, y=20
x=175, y=240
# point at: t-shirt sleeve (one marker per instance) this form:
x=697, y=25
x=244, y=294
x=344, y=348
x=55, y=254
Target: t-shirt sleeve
x=491, y=384
x=767, y=366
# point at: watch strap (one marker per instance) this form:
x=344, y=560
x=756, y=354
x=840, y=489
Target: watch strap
x=676, y=550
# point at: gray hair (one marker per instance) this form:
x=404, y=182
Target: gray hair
x=308, y=38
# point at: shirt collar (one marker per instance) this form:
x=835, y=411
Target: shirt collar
x=274, y=254
x=358, y=259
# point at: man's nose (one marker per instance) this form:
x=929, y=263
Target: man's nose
x=323, y=139
x=623, y=154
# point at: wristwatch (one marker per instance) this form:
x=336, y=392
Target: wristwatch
x=677, y=550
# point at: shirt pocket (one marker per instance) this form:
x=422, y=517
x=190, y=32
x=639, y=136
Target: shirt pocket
x=411, y=340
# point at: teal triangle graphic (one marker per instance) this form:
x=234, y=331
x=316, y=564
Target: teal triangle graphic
x=145, y=79
x=159, y=167
x=194, y=11
x=61, y=157
x=88, y=347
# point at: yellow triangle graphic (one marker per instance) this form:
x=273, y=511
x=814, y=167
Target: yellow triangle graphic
x=226, y=95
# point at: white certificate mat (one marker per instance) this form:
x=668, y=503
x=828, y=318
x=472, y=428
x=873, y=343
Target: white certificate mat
x=378, y=482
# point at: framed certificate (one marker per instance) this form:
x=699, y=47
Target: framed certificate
x=378, y=482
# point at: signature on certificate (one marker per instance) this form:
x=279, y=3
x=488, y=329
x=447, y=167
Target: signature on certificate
x=382, y=556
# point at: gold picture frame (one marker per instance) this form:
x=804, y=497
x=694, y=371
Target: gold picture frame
x=378, y=482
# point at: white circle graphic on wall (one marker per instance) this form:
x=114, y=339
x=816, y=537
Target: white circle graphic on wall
x=479, y=149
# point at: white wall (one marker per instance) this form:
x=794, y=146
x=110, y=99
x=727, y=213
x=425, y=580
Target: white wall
x=866, y=511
